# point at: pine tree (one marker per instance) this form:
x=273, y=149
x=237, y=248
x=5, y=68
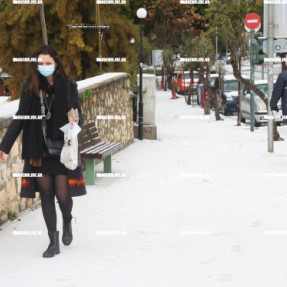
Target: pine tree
x=78, y=48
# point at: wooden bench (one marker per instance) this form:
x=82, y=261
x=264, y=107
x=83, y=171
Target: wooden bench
x=91, y=147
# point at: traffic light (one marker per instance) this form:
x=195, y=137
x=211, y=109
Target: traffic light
x=258, y=55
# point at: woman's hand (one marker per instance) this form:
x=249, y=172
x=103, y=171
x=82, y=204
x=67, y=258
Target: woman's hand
x=2, y=156
x=71, y=120
x=72, y=116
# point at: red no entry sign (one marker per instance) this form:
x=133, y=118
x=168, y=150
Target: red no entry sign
x=252, y=22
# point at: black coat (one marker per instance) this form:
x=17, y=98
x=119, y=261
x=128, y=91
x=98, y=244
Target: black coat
x=280, y=91
x=32, y=138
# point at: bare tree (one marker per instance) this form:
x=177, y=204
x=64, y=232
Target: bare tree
x=168, y=59
x=203, y=48
x=227, y=17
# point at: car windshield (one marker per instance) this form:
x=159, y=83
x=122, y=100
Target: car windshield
x=230, y=86
x=212, y=80
x=187, y=77
x=263, y=88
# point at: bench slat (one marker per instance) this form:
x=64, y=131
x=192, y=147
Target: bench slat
x=88, y=137
x=89, y=144
x=84, y=151
x=107, y=148
x=88, y=125
x=115, y=148
x=98, y=152
x=100, y=148
x=85, y=132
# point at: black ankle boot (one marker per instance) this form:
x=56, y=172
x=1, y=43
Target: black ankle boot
x=54, y=247
x=67, y=232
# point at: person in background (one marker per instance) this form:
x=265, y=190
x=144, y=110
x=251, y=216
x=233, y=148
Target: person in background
x=280, y=92
x=6, y=90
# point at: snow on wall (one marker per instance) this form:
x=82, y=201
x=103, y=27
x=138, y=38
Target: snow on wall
x=98, y=79
x=9, y=109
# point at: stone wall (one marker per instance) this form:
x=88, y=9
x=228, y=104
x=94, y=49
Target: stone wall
x=10, y=186
x=109, y=97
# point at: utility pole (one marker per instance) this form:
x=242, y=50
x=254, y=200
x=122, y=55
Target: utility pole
x=270, y=75
x=252, y=81
x=43, y=24
x=98, y=23
x=239, y=92
x=216, y=45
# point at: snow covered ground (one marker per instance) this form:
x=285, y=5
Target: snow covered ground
x=203, y=206
x=3, y=99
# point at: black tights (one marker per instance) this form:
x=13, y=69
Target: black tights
x=49, y=186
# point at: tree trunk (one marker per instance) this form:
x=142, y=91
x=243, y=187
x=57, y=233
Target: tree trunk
x=237, y=75
x=211, y=95
x=239, y=99
x=173, y=95
x=162, y=76
x=165, y=81
x=190, y=86
x=206, y=107
x=43, y=24
x=169, y=74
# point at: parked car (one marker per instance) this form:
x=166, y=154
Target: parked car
x=183, y=81
x=260, y=109
x=229, y=99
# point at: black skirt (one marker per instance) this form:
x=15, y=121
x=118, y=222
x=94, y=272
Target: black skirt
x=51, y=166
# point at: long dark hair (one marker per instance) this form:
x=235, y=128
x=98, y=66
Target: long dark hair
x=33, y=77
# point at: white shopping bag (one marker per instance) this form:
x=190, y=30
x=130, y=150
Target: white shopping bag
x=69, y=153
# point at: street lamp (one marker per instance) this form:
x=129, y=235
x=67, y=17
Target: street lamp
x=132, y=41
x=141, y=14
x=134, y=99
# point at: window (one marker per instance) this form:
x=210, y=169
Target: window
x=230, y=86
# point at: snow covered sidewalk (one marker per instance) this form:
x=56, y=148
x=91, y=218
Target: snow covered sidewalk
x=204, y=205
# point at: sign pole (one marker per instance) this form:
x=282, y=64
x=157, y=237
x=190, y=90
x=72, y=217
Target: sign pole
x=270, y=75
x=252, y=24
x=252, y=82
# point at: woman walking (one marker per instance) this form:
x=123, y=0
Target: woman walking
x=47, y=87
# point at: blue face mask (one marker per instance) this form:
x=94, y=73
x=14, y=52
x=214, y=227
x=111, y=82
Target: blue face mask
x=46, y=71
